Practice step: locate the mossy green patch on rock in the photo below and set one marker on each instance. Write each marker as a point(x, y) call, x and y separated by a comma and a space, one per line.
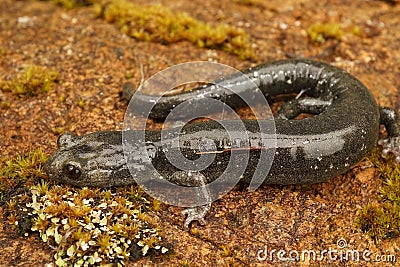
point(2, 52)
point(158, 23)
point(381, 219)
point(16, 176)
point(72, 3)
point(27, 169)
point(34, 80)
point(319, 32)
point(258, 3)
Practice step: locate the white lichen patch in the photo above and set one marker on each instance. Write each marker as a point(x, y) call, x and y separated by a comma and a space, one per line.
point(91, 228)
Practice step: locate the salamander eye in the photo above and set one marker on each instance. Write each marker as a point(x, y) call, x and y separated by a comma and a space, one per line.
point(72, 171)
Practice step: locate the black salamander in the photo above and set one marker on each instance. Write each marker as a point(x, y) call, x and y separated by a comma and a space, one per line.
point(343, 130)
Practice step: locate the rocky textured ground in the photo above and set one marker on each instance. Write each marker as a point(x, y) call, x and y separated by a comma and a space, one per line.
point(94, 59)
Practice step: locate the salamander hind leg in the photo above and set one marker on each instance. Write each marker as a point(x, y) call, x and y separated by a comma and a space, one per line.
point(295, 107)
point(391, 144)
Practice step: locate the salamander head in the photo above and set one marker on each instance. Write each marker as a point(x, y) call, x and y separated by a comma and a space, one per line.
point(90, 160)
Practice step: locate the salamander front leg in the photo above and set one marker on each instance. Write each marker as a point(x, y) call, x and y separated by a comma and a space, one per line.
point(194, 179)
point(195, 214)
point(391, 144)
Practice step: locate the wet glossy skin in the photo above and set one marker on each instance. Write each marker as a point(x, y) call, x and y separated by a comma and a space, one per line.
point(309, 150)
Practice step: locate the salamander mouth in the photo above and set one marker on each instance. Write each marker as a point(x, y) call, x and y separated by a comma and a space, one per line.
point(48, 169)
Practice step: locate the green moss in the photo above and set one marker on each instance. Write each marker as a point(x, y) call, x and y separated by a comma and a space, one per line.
point(319, 32)
point(225, 251)
point(34, 80)
point(72, 3)
point(62, 98)
point(59, 130)
point(5, 104)
point(381, 219)
point(2, 52)
point(26, 169)
point(158, 23)
point(81, 103)
point(128, 75)
point(15, 175)
point(356, 30)
point(249, 2)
